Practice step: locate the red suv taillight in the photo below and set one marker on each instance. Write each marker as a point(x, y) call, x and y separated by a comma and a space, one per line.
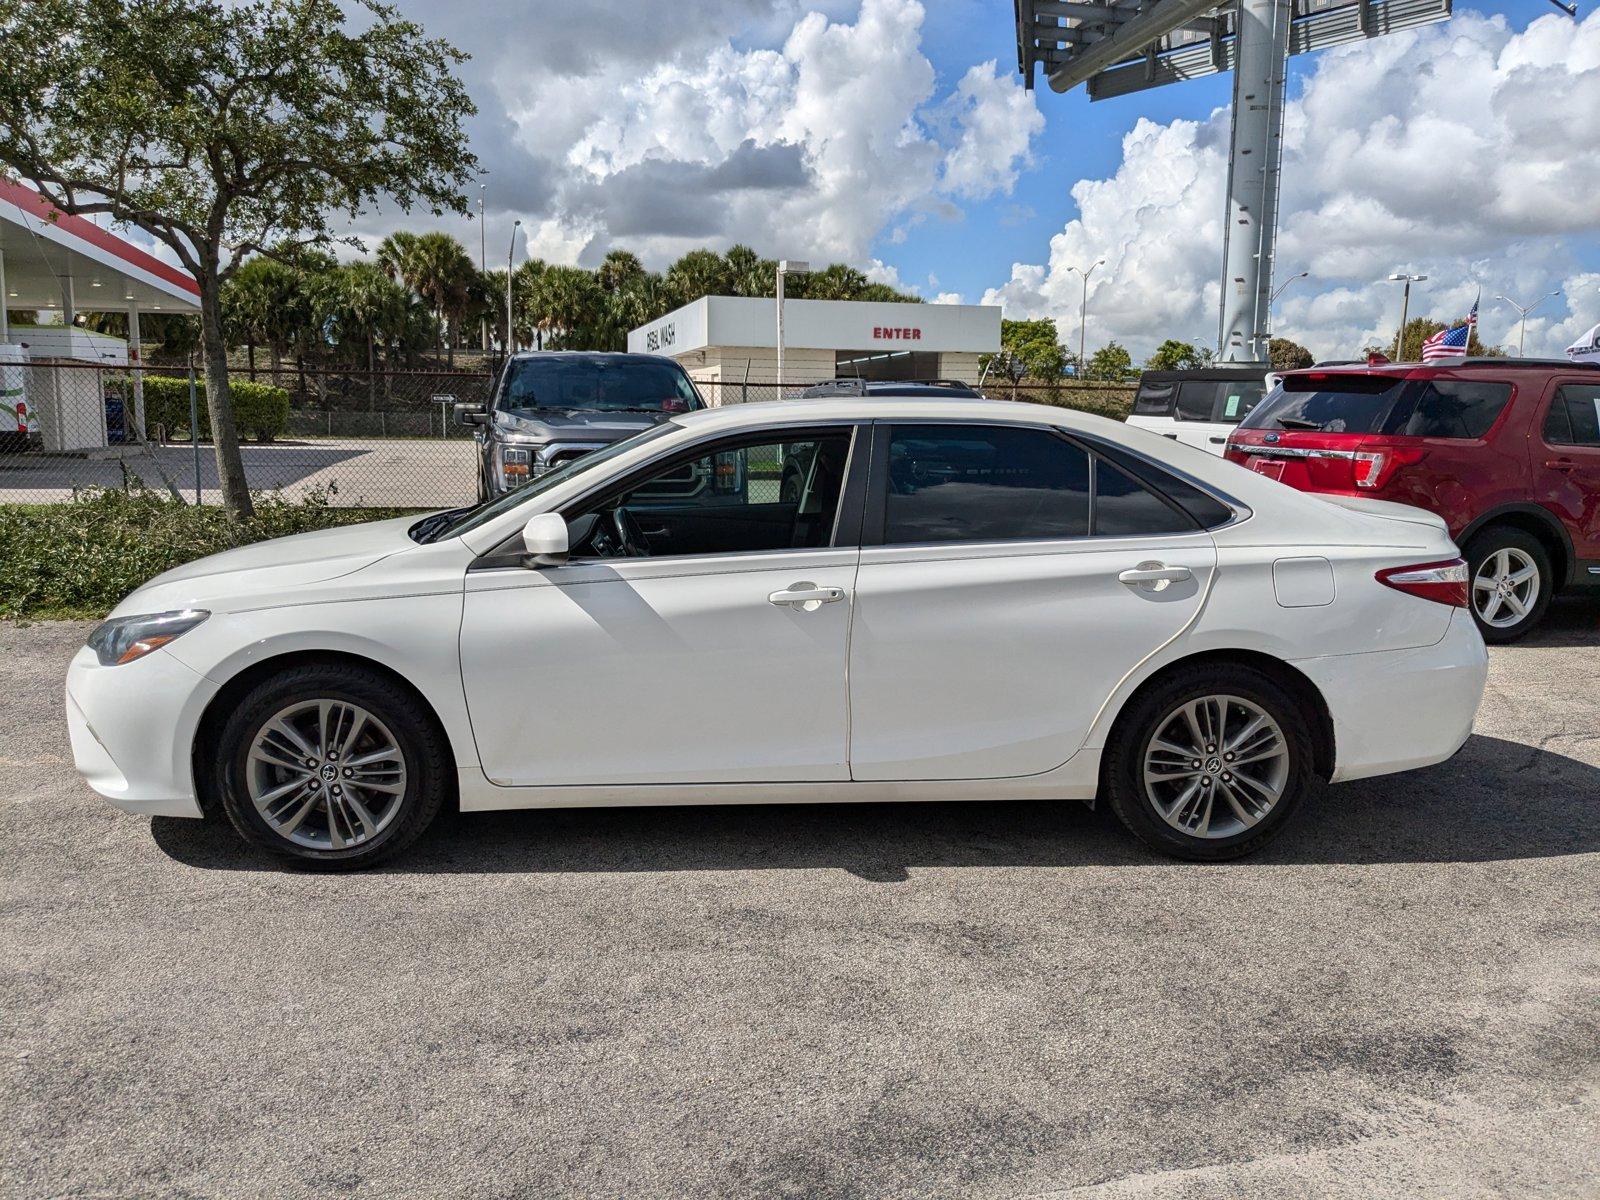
point(1373, 467)
point(1443, 582)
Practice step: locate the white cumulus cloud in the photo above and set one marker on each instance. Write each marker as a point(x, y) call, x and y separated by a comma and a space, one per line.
point(1463, 151)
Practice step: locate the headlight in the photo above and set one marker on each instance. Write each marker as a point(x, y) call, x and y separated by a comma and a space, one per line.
point(515, 465)
point(124, 639)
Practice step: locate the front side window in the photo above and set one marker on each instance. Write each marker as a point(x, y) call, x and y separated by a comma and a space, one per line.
point(1574, 417)
point(739, 498)
point(952, 483)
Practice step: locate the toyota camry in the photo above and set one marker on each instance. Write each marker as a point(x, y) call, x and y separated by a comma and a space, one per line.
point(820, 600)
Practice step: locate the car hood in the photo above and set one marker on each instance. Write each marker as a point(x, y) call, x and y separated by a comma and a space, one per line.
point(245, 577)
point(577, 425)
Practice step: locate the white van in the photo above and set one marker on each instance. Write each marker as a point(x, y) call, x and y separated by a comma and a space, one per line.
point(1199, 407)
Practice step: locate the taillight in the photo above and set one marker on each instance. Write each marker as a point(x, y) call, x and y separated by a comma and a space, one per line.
point(1373, 467)
point(1443, 582)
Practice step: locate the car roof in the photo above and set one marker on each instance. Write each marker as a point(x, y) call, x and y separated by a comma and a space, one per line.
point(932, 406)
point(1470, 366)
point(598, 355)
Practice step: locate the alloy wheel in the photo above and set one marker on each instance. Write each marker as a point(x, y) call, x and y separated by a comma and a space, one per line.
point(326, 774)
point(1216, 766)
point(1505, 588)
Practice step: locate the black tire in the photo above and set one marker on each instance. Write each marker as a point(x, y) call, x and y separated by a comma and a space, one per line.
point(789, 487)
point(1122, 775)
point(1485, 546)
point(425, 752)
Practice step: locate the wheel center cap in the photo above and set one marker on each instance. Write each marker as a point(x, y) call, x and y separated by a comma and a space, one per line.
point(329, 771)
point(1214, 765)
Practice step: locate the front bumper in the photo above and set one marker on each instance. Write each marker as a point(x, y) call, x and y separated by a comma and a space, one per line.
point(1398, 710)
point(132, 728)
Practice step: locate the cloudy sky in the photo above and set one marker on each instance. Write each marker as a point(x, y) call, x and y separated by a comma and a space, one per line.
point(897, 136)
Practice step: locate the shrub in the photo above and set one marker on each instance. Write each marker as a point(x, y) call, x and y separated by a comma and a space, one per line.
point(80, 558)
point(261, 410)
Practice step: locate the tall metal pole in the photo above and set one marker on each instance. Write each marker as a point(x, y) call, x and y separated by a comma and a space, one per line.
point(483, 263)
point(1522, 312)
point(1405, 309)
point(510, 338)
point(1261, 52)
point(788, 266)
point(1083, 309)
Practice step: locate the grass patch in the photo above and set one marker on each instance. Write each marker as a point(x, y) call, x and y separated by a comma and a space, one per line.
point(78, 559)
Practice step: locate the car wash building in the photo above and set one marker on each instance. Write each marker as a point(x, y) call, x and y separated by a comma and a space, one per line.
point(729, 344)
point(62, 387)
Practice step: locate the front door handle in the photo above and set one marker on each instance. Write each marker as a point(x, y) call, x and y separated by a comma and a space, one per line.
point(1559, 464)
point(806, 596)
point(1154, 576)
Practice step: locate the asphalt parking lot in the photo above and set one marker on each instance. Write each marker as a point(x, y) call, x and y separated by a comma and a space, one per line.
point(1400, 997)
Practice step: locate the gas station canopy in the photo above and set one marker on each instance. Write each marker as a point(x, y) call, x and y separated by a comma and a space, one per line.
point(50, 260)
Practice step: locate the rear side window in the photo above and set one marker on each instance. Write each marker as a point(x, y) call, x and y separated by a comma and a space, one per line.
point(1450, 408)
point(1574, 417)
point(1124, 507)
point(1197, 400)
point(1204, 510)
point(953, 483)
point(1437, 408)
point(1154, 400)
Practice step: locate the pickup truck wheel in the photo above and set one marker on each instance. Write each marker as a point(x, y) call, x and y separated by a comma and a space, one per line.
point(1511, 582)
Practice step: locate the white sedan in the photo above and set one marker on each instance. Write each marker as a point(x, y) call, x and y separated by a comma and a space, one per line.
point(793, 602)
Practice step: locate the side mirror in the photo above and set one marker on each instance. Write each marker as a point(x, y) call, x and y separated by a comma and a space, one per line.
point(544, 537)
point(468, 414)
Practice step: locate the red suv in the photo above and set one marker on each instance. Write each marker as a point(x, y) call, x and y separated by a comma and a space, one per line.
point(1506, 450)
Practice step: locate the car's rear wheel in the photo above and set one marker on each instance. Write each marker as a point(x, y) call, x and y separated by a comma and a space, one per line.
point(331, 765)
point(1210, 762)
point(1511, 582)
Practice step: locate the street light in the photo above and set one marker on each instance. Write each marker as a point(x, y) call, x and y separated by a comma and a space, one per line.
point(1405, 307)
point(789, 266)
point(1273, 299)
point(1083, 308)
point(510, 340)
point(483, 262)
point(1522, 327)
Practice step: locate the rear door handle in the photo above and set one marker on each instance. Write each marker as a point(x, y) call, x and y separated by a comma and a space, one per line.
point(1154, 576)
point(1559, 464)
point(806, 596)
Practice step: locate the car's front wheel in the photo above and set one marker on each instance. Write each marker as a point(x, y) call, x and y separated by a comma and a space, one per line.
point(330, 765)
point(1210, 762)
point(1511, 582)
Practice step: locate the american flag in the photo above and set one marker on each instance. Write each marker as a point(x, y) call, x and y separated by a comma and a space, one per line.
point(1451, 343)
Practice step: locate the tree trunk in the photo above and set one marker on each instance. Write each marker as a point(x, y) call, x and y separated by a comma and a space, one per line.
point(219, 401)
point(277, 364)
point(372, 374)
point(250, 356)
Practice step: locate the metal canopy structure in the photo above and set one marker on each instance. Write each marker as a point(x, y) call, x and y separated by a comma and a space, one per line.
point(1122, 46)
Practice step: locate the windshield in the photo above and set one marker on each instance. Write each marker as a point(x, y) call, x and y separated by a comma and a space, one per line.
point(595, 384)
point(449, 524)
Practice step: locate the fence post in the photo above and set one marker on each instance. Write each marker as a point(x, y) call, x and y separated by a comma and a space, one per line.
point(194, 434)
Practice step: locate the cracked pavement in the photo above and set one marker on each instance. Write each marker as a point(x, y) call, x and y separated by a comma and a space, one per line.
point(1400, 997)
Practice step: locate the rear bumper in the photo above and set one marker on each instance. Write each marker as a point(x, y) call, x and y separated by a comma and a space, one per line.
point(132, 728)
point(1398, 710)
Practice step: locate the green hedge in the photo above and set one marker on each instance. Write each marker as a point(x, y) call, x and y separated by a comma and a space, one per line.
point(78, 559)
point(261, 410)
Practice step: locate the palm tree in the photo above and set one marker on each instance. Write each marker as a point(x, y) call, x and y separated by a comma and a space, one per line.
point(364, 305)
point(699, 273)
point(268, 303)
point(752, 275)
point(619, 269)
point(568, 302)
point(442, 274)
point(834, 282)
point(525, 295)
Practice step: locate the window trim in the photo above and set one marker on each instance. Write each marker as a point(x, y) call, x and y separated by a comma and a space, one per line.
point(875, 516)
point(509, 552)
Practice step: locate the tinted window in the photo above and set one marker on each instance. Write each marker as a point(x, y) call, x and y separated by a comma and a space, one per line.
point(978, 484)
point(1206, 511)
point(1197, 400)
point(1124, 507)
point(583, 383)
point(1443, 408)
point(760, 495)
point(1154, 399)
point(1448, 408)
point(1239, 398)
point(1574, 416)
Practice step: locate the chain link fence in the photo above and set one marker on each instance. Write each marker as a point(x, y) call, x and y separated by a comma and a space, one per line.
point(379, 439)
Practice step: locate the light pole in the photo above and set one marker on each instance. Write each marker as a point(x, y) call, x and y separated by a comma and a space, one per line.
point(510, 338)
point(789, 266)
point(1405, 307)
point(1522, 327)
point(1083, 309)
point(483, 262)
